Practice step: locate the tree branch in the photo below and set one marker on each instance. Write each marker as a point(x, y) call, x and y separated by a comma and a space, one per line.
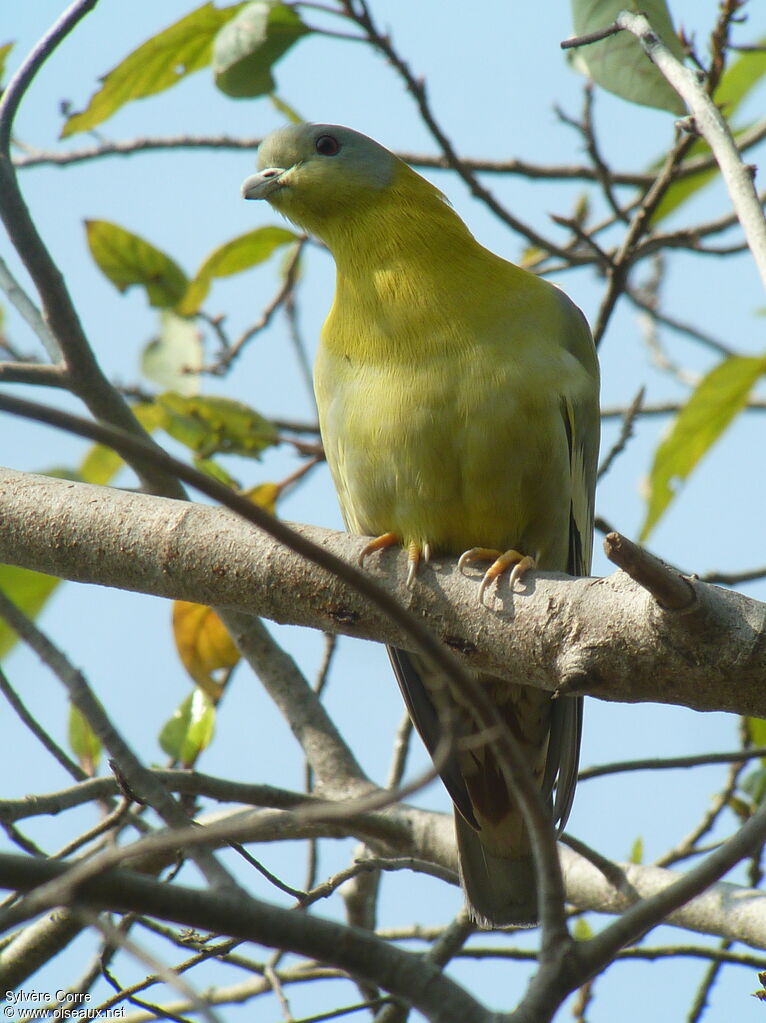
point(709, 122)
point(606, 637)
point(405, 974)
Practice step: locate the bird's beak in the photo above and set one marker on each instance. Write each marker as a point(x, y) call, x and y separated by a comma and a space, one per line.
point(263, 184)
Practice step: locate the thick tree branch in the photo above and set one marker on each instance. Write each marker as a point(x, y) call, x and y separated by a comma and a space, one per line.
point(606, 637)
point(484, 709)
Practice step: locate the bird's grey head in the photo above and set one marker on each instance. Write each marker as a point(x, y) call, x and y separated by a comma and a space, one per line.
point(304, 166)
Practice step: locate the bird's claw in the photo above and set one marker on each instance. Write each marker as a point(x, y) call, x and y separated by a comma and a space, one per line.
point(380, 543)
point(415, 553)
point(519, 564)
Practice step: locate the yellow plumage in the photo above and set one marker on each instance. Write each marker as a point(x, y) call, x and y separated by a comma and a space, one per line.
point(458, 403)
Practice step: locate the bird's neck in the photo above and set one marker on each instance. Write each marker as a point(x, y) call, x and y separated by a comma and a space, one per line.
point(405, 265)
point(412, 227)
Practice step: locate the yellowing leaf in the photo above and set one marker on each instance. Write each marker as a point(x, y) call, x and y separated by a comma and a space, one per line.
point(5, 49)
point(190, 730)
point(211, 425)
point(249, 45)
point(712, 406)
point(239, 254)
point(83, 741)
point(265, 495)
point(618, 63)
point(29, 591)
point(157, 64)
point(203, 644)
point(173, 359)
point(126, 259)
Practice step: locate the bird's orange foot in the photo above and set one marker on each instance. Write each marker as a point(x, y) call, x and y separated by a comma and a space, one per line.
point(519, 564)
point(380, 543)
point(415, 553)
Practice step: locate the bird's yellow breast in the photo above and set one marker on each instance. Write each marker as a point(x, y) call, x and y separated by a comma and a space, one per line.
point(446, 429)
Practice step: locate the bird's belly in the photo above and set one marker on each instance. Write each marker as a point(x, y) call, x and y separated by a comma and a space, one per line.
point(453, 460)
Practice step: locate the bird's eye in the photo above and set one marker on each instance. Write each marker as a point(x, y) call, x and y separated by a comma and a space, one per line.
point(327, 145)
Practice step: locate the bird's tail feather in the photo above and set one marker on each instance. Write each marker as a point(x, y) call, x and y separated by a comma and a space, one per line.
point(499, 890)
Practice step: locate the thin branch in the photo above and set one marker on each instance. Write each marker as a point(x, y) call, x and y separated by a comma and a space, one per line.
point(38, 731)
point(34, 157)
point(671, 763)
point(626, 432)
point(34, 373)
point(401, 750)
point(116, 937)
point(28, 311)
point(669, 408)
point(20, 82)
point(326, 751)
point(404, 974)
point(647, 302)
point(359, 12)
point(689, 846)
point(231, 353)
point(617, 276)
point(84, 699)
point(711, 124)
point(649, 912)
point(116, 817)
point(700, 1002)
point(86, 377)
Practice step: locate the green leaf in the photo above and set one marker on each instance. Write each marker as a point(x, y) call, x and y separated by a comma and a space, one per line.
point(231, 258)
point(619, 64)
point(637, 851)
point(190, 730)
point(756, 729)
point(126, 259)
point(582, 930)
point(173, 359)
point(157, 64)
point(712, 406)
point(754, 785)
point(741, 76)
point(286, 110)
point(5, 49)
point(29, 591)
point(249, 45)
point(216, 425)
point(83, 741)
point(215, 471)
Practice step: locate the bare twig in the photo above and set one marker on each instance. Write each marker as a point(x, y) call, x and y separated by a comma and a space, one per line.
point(626, 432)
point(671, 591)
point(38, 731)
